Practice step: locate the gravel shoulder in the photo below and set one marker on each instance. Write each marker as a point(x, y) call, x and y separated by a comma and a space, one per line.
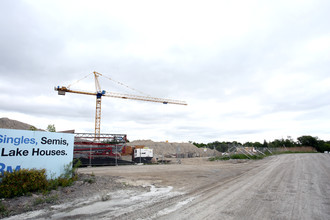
point(292, 186)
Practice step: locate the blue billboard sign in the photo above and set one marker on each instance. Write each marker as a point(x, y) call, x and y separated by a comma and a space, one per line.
point(22, 149)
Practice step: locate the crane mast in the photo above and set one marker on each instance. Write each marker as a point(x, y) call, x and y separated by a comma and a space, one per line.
point(98, 105)
point(99, 93)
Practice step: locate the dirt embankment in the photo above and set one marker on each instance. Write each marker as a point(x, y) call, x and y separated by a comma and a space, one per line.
point(13, 124)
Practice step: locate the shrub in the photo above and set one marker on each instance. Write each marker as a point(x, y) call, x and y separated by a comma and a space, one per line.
point(239, 156)
point(21, 182)
point(25, 181)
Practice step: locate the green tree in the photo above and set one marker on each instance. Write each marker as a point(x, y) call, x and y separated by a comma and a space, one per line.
point(289, 143)
point(32, 128)
point(308, 140)
point(199, 145)
point(276, 143)
point(219, 146)
point(51, 128)
point(265, 144)
point(257, 144)
point(253, 144)
point(323, 146)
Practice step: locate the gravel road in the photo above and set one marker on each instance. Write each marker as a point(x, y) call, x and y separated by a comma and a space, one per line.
point(291, 186)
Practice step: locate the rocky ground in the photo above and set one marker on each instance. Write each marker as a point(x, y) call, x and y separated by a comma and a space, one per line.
point(86, 187)
point(288, 186)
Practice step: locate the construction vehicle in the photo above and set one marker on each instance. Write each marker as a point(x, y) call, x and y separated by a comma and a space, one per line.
point(99, 93)
point(142, 155)
point(139, 153)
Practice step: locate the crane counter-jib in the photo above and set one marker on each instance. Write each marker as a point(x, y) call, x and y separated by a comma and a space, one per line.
point(62, 90)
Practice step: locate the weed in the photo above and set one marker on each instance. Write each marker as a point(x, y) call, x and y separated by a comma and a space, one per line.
point(89, 180)
point(125, 184)
point(38, 201)
point(292, 152)
point(237, 157)
point(251, 157)
point(3, 210)
point(105, 197)
point(28, 208)
point(47, 199)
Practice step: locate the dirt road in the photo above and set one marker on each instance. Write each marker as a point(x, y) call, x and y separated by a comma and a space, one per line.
point(292, 186)
point(285, 187)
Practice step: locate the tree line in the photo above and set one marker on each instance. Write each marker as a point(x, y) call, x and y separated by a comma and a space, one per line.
point(306, 140)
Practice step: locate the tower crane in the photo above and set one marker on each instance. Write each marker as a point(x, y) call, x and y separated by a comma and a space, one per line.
point(99, 93)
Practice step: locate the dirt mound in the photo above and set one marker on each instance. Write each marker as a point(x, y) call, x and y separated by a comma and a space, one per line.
point(168, 149)
point(13, 124)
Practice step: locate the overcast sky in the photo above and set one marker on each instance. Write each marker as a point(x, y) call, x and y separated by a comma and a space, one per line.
point(249, 70)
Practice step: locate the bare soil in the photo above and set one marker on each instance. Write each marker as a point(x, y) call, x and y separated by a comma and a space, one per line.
point(292, 186)
point(86, 187)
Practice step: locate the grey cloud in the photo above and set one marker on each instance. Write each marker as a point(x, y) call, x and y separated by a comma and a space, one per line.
point(41, 50)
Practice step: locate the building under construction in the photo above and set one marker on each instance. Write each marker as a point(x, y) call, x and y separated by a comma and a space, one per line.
point(108, 149)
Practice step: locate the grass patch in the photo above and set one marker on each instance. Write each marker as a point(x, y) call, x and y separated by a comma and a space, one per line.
point(46, 199)
point(237, 157)
point(253, 157)
point(90, 180)
point(294, 152)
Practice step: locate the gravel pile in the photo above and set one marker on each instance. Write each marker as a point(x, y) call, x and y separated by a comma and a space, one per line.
point(167, 149)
